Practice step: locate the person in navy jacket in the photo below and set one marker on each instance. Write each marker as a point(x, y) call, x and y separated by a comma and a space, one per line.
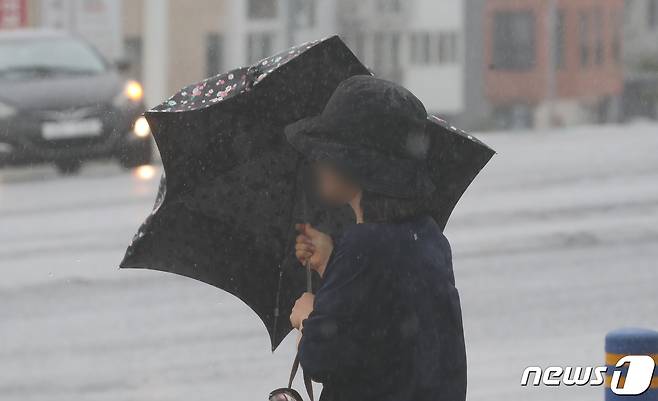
point(386, 322)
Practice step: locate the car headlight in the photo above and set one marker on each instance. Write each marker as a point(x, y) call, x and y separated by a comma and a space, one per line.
point(132, 93)
point(6, 111)
point(141, 128)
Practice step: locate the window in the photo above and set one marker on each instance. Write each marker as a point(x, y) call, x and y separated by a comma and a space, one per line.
point(259, 46)
point(454, 48)
point(132, 47)
point(356, 42)
point(413, 47)
point(214, 54)
point(386, 53)
point(390, 6)
point(305, 13)
point(652, 13)
point(599, 54)
point(394, 58)
point(435, 48)
point(514, 44)
point(447, 47)
point(584, 34)
point(378, 50)
point(425, 47)
point(616, 23)
point(444, 48)
point(420, 48)
point(559, 39)
point(261, 9)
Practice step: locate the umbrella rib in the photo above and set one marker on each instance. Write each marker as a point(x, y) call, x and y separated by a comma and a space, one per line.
point(288, 246)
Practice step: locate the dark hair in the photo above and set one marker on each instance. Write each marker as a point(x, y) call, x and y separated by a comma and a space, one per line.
point(380, 208)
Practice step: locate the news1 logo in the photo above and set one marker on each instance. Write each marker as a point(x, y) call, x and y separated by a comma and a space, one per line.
point(639, 374)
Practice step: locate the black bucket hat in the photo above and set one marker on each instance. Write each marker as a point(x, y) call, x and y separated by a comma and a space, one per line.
point(374, 131)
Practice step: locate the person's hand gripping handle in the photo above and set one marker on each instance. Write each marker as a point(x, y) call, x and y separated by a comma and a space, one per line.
point(313, 249)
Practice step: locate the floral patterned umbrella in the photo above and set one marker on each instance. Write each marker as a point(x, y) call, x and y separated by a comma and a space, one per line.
point(233, 189)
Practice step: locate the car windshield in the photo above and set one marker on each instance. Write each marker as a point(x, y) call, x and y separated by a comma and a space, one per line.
point(27, 58)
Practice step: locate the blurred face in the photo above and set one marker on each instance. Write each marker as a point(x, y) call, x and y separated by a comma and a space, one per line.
point(333, 187)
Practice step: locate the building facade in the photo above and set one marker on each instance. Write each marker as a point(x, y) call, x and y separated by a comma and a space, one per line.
point(13, 14)
point(640, 35)
point(640, 55)
point(255, 29)
point(172, 43)
point(204, 37)
point(479, 63)
point(421, 44)
point(553, 62)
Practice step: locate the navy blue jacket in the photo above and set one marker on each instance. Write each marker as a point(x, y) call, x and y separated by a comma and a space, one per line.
point(387, 322)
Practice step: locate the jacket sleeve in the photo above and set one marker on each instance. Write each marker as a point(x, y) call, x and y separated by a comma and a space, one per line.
point(332, 336)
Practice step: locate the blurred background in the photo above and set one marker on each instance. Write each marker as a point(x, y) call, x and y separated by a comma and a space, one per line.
point(554, 245)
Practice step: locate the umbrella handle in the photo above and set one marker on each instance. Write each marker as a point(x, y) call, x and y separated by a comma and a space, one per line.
point(295, 365)
point(309, 277)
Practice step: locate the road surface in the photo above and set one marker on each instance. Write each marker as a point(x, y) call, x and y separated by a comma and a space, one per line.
point(554, 245)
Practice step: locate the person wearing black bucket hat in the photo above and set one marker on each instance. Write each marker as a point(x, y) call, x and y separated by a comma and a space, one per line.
point(374, 131)
point(386, 322)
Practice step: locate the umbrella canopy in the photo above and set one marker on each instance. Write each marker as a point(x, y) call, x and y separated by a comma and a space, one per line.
point(225, 214)
point(234, 187)
point(453, 160)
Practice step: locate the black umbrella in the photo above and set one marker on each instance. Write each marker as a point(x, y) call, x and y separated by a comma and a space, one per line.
point(454, 159)
point(233, 187)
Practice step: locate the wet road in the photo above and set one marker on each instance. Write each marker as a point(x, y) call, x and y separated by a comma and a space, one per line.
point(554, 245)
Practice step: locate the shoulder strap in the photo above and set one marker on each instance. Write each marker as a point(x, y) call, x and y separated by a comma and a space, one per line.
point(293, 371)
point(309, 386)
point(307, 380)
point(295, 364)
